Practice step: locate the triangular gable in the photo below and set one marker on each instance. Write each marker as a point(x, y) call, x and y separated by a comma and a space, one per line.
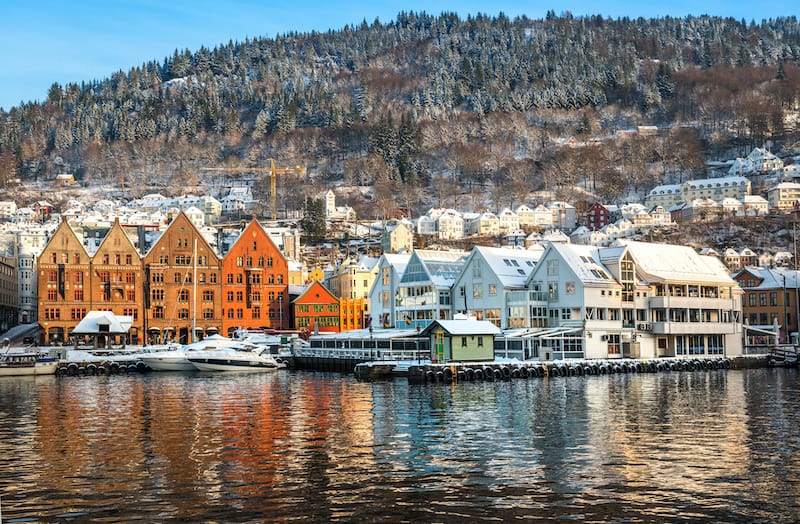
point(244, 237)
point(65, 238)
point(182, 220)
point(116, 230)
point(309, 296)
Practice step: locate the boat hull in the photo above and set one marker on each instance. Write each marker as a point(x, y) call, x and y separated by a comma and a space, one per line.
point(239, 366)
point(168, 363)
point(46, 367)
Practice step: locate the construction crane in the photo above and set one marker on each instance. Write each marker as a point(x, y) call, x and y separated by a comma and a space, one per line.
point(273, 176)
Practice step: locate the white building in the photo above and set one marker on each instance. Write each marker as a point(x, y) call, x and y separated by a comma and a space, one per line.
point(635, 300)
point(711, 188)
point(390, 269)
point(487, 282)
point(782, 197)
point(758, 161)
point(423, 294)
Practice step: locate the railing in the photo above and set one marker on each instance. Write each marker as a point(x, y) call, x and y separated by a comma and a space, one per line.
point(363, 353)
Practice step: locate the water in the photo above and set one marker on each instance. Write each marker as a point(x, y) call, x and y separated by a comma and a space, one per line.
point(717, 446)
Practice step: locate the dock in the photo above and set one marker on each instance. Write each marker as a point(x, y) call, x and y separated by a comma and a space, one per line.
point(453, 372)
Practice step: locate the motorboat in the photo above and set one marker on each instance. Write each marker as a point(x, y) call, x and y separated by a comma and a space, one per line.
point(27, 363)
point(176, 358)
point(242, 359)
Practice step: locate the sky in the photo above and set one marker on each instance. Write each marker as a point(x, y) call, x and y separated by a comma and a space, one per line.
point(63, 41)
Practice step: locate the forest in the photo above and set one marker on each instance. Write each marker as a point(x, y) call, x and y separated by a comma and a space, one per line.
point(429, 110)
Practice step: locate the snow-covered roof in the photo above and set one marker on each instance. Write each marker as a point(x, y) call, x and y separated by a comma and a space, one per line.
point(512, 266)
point(468, 326)
point(585, 262)
point(668, 262)
point(96, 322)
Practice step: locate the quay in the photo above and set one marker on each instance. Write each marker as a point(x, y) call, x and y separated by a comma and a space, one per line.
point(453, 372)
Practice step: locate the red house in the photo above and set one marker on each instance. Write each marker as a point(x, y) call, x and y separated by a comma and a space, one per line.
point(317, 310)
point(597, 217)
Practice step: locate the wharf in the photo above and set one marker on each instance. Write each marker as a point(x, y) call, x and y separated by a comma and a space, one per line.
point(451, 372)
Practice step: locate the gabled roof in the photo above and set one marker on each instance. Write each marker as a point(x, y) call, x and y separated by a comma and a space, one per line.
point(511, 266)
point(668, 262)
point(585, 262)
point(773, 278)
point(468, 326)
point(316, 285)
point(397, 261)
point(94, 320)
point(439, 267)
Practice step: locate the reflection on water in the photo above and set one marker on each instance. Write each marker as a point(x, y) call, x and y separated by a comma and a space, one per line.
point(718, 445)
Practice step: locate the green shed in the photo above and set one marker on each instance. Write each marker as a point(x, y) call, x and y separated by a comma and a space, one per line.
point(461, 340)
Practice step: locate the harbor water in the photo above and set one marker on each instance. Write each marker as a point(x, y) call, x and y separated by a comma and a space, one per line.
point(712, 446)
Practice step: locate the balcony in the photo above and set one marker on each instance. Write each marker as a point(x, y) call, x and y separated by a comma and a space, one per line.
point(689, 302)
point(694, 328)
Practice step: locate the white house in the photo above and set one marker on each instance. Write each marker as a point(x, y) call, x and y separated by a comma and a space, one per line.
point(450, 225)
point(509, 221)
point(390, 269)
point(758, 161)
point(633, 299)
point(489, 277)
point(783, 196)
point(423, 293)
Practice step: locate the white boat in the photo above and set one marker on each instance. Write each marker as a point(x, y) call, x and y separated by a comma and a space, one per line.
point(175, 359)
point(244, 360)
point(22, 364)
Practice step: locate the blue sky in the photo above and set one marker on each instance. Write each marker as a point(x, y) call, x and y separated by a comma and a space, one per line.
point(46, 41)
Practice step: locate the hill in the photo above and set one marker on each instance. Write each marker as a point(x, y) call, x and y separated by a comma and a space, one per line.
point(429, 110)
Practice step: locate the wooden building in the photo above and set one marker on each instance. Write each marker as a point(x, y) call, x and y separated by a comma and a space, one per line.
point(317, 310)
point(115, 282)
point(255, 277)
point(64, 280)
point(182, 291)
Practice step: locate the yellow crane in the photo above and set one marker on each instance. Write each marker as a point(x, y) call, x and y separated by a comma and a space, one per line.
point(273, 176)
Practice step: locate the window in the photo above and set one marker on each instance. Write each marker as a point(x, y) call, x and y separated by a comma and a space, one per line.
point(463, 342)
point(183, 295)
point(157, 294)
point(158, 312)
point(480, 342)
point(208, 295)
point(477, 290)
point(492, 290)
point(552, 268)
point(78, 295)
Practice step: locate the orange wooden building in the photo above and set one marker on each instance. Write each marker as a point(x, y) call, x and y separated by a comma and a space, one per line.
point(115, 282)
point(255, 278)
point(317, 310)
point(64, 280)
